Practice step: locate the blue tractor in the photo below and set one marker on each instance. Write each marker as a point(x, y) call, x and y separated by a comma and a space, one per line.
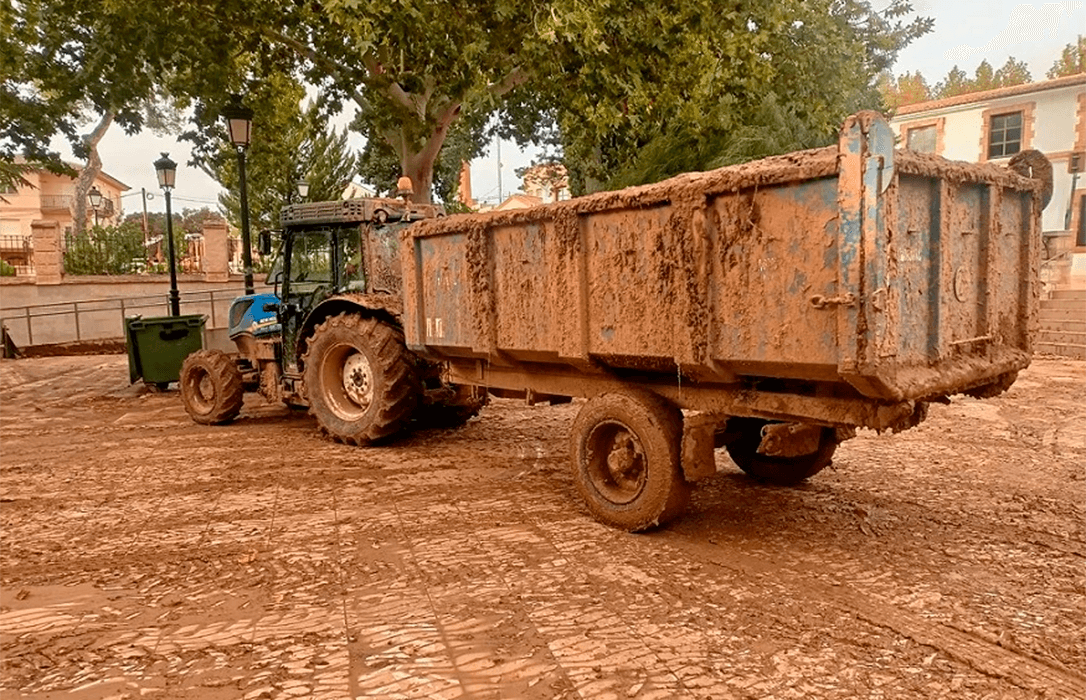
point(330, 338)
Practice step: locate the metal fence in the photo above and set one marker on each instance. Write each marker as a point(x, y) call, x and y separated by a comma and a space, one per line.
point(100, 319)
point(18, 251)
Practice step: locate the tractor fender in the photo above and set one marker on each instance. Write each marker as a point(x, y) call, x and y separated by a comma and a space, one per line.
point(387, 307)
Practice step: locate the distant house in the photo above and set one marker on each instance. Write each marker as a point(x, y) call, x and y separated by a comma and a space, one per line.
point(354, 190)
point(50, 197)
point(547, 181)
point(992, 126)
point(518, 201)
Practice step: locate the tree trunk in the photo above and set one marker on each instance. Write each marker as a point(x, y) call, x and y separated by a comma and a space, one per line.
point(416, 162)
point(421, 173)
point(89, 173)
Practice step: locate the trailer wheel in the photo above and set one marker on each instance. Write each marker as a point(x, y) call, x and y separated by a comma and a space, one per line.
point(211, 387)
point(626, 460)
point(360, 379)
point(782, 471)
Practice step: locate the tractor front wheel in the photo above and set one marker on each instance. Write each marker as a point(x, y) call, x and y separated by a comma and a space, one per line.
point(211, 387)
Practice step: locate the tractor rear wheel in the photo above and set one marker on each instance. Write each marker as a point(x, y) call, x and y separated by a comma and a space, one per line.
point(211, 387)
point(360, 379)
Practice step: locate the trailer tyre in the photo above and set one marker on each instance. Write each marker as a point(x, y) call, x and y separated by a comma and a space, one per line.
point(626, 460)
point(360, 379)
point(782, 471)
point(211, 387)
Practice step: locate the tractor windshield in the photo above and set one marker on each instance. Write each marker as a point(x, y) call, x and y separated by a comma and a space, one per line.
point(310, 260)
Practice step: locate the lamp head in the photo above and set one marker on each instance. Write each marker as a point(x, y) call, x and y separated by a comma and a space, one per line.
point(239, 122)
point(167, 172)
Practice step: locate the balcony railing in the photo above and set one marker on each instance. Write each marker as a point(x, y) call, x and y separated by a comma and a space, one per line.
point(56, 202)
point(65, 203)
point(16, 244)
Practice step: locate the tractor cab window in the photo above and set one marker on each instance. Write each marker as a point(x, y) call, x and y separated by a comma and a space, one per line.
point(350, 252)
point(310, 261)
point(384, 258)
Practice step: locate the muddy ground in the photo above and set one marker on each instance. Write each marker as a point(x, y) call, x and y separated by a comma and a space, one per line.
point(146, 556)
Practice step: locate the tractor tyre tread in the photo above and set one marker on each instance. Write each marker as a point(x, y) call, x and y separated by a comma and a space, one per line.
point(396, 386)
point(227, 395)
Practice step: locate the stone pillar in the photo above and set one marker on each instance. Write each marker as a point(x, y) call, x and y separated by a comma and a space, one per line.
point(216, 251)
point(48, 252)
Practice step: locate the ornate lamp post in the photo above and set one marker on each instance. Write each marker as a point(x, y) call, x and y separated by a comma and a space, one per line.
point(303, 189)
point(167, 172)
point(239, 121)
point(95, 198)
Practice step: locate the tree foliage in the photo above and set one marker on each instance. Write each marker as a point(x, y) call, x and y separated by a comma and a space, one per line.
point(912, 88)
point(288, 144)
point(1072, 60)
point(430, 81)
point(65, 63)
point(649, 90)
point(906, 89)
point(105, 250)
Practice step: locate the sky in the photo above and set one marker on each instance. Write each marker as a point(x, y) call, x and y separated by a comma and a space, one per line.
point(966, 32)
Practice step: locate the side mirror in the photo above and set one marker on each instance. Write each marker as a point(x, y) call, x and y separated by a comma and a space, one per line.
point(264, 242)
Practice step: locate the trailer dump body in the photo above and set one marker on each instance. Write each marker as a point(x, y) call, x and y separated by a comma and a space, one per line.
point(839, 286)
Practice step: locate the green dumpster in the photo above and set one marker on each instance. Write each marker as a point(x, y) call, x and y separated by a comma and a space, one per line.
point(157, 346)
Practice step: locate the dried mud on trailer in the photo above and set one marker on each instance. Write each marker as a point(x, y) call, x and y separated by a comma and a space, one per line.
point(769, 308)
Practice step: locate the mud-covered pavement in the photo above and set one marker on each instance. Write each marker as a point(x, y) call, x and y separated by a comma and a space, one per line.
point(146, 556)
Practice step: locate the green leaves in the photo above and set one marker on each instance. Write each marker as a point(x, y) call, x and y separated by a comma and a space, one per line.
point(615, 79)
point(1072, 60)
point(912, 88)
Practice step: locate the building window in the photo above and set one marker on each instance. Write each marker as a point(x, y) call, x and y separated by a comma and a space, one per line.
point(921, 139)
point(1004, 135)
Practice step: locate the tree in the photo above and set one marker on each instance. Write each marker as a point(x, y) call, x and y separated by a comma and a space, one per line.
point(1071, 61)
point(652, 89)
point(909, 88)
point(956, 82)
point(1013, 72)
point(984, 78)
point(65, 63)
point(288, 144)
point(611, 74)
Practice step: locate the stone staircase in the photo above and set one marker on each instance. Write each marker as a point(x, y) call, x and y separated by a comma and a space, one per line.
point(1063, 324)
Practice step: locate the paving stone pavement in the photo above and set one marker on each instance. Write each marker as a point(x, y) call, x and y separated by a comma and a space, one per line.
point(144, 556)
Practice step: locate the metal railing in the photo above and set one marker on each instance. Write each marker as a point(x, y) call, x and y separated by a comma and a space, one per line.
point(11, 243)
point(18, 251)
point(99, 319)
point(52, 202)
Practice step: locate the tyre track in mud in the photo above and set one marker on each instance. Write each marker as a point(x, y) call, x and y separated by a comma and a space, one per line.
point(983, 655)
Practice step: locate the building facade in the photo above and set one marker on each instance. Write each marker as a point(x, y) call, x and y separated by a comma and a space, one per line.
point(49, 197)
point(52, 197)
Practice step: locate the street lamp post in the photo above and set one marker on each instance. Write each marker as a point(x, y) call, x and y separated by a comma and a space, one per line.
point(239, 121)
point(303, 189)
point(95, 198)
point(167, 172)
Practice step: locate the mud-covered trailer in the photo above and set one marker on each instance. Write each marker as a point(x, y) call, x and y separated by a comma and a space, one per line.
point(780, 304)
